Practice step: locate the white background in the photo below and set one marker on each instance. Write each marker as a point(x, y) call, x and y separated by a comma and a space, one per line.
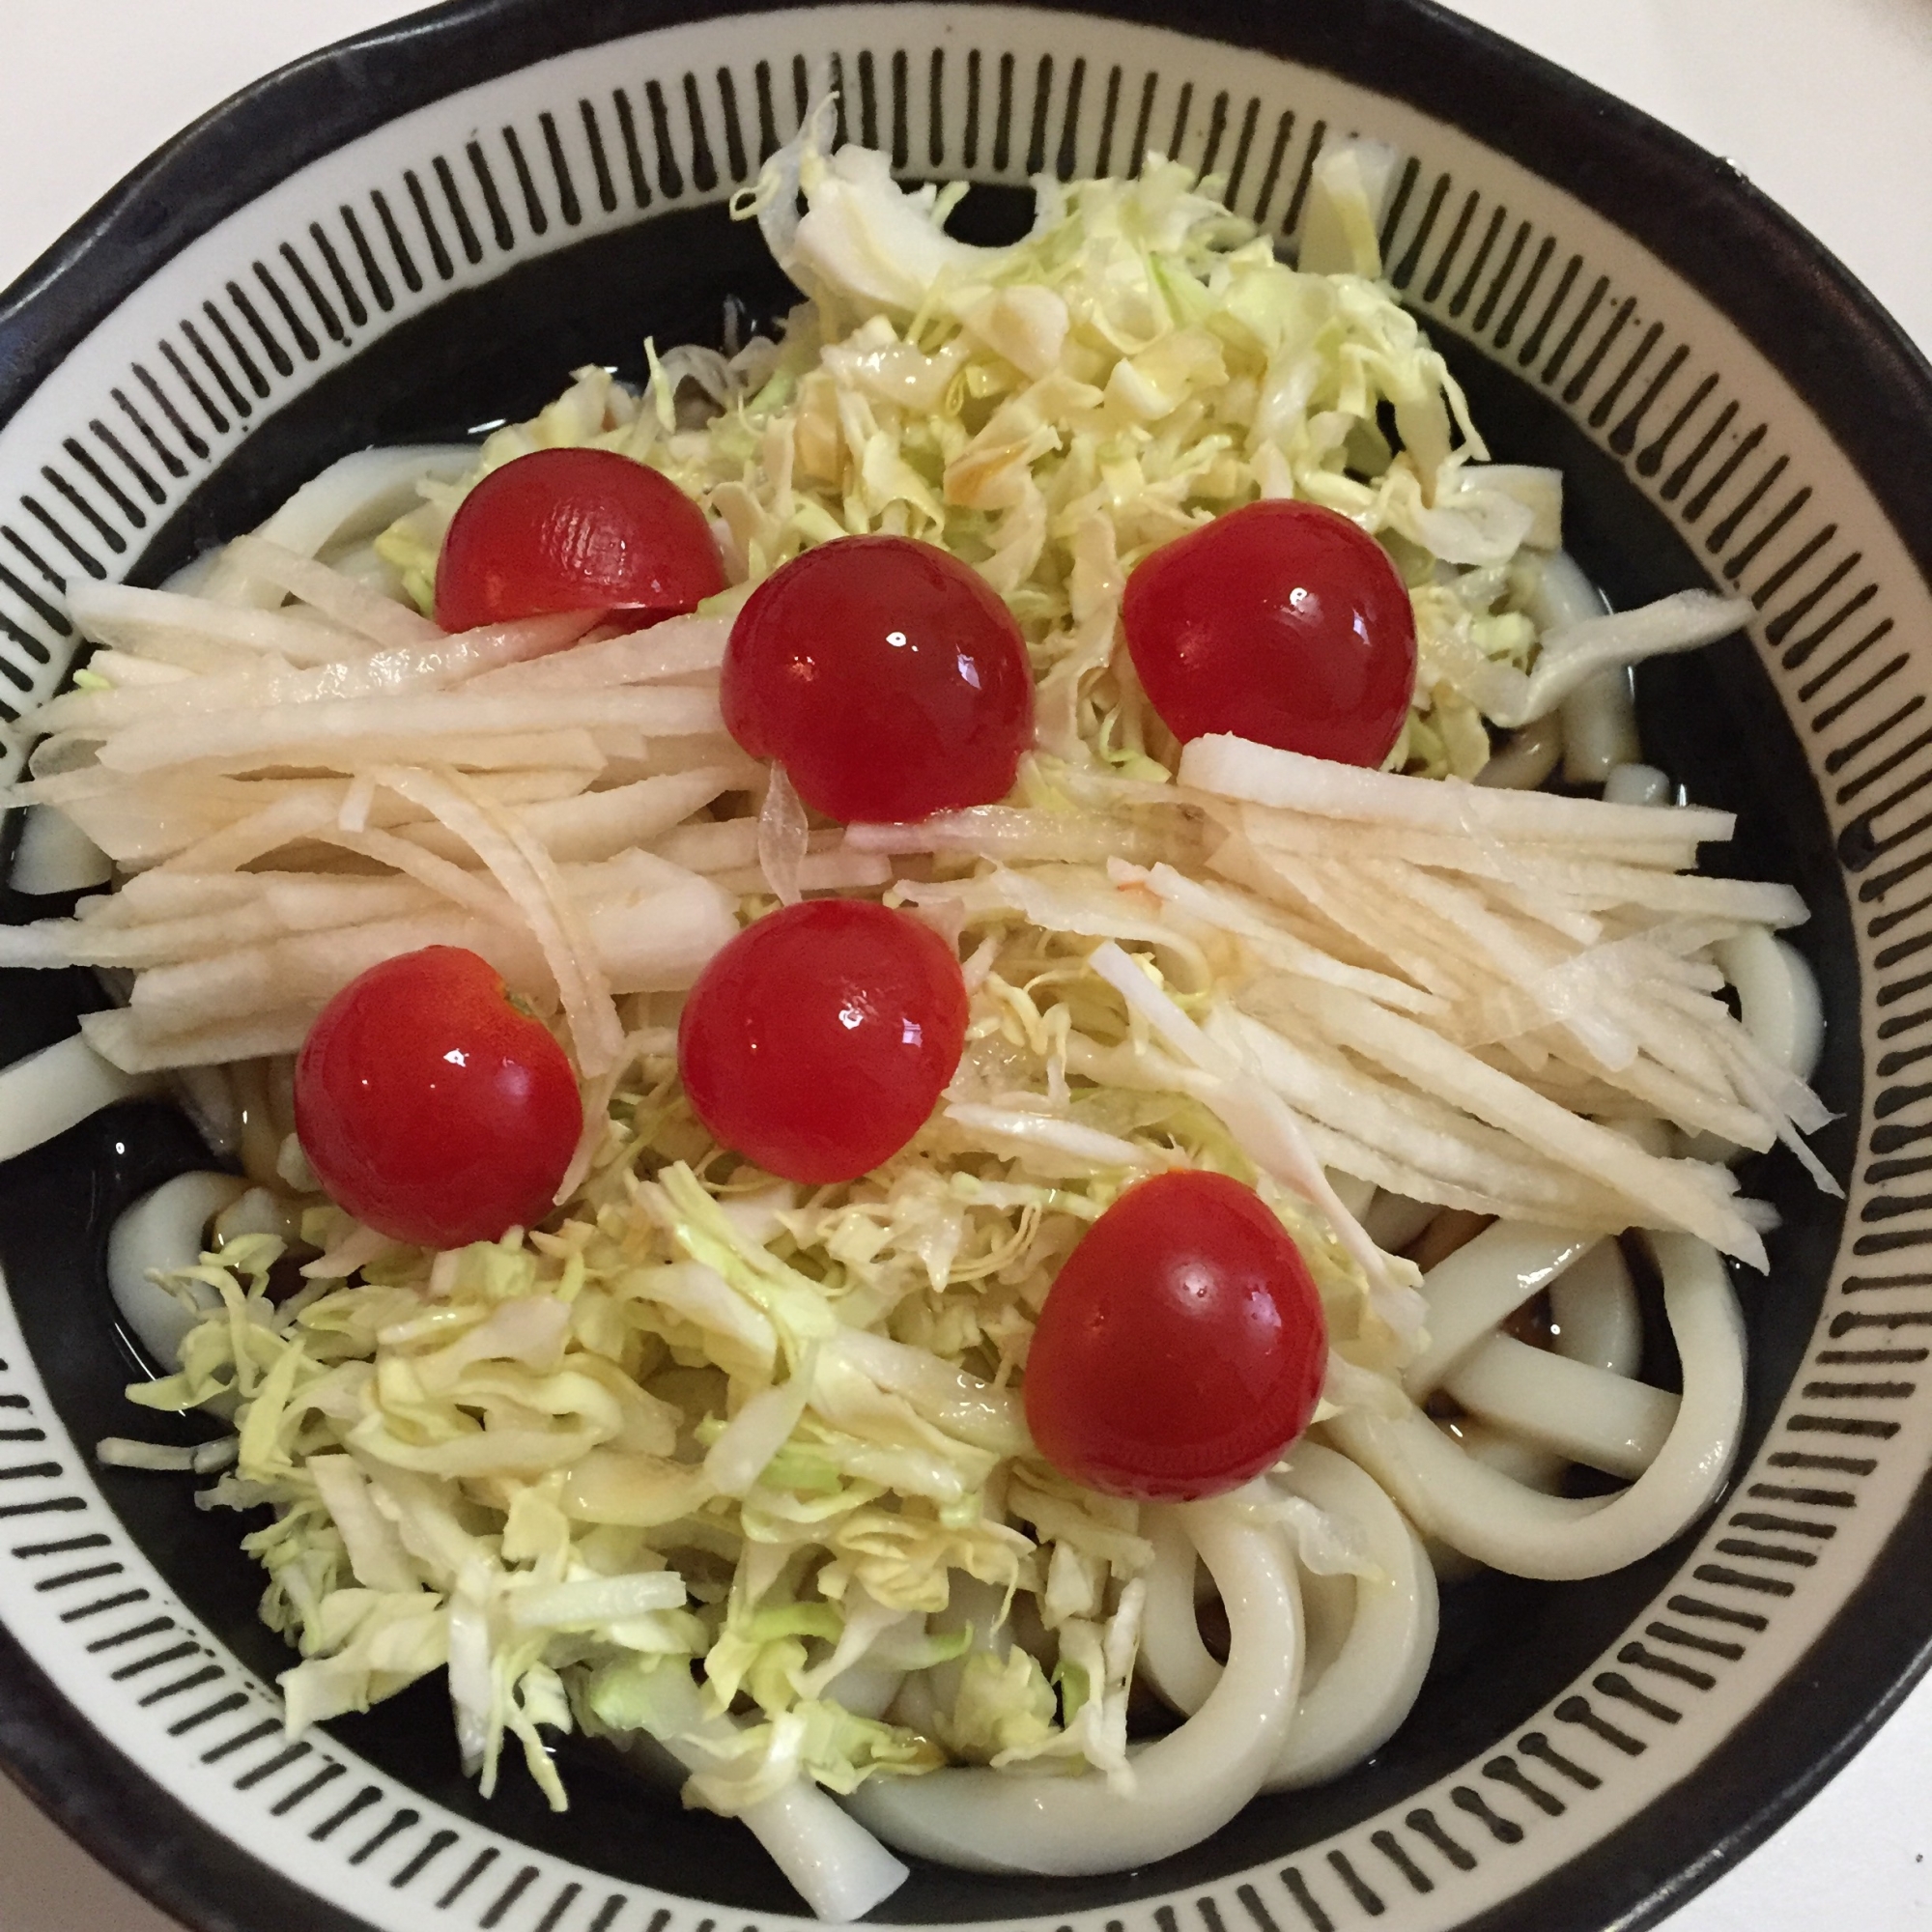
point(1827, 104)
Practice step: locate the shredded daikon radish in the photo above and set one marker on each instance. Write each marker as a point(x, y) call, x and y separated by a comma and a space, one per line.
point(347, 603)
point(1231, 768)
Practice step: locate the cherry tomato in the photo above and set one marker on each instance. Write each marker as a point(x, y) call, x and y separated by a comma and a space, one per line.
point(431, 1107)
point(820, 1040)
point(1281, 622)
point(574, 530)
point(889, 679)
point(1181, 1347)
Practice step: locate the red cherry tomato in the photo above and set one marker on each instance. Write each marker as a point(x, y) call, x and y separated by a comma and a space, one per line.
point(1181, 1347)
point(431, 1107)
point(1281, 622)
point(888, 678)
point(817, 1042)
point(574, 530)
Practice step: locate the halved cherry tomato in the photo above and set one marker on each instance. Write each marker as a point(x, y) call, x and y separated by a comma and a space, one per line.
point(820, 1040)
point(431, 1106)
point(1281, 622)
point(1181, 1347)
point(574, 530)
point(887, 677)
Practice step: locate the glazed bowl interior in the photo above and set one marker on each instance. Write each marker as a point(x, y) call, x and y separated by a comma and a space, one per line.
point(444, 264)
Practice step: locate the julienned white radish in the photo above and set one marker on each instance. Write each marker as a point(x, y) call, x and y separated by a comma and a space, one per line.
point(354, 606)
point(166, 628)
point(662, 711)
point(416, 670)
point(1595, 883)
point(830, 871)
point(118, 1037)
point(1650, 1187)
point(530, 879)
point(1232, 768)
point(648, 943)
point(591, 825)
point(1423, 1136)
point(174, 942)
point(1019, 835)
point(1048, 1145)
point(679, 648)
point(1287, 951)
point(143, 823)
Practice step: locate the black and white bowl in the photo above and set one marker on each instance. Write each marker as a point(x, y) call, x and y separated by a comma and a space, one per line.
point(427, 229)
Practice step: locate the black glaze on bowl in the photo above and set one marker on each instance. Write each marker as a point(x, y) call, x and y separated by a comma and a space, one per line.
point(494, 352)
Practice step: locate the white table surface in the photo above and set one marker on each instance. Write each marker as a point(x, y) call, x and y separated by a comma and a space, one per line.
point(1827, 104)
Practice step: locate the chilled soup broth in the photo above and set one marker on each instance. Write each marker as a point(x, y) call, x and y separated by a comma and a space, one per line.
point(514, 1796)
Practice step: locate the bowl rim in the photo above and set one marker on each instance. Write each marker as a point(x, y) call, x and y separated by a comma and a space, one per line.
point(1868, 383)
point(1812, 319)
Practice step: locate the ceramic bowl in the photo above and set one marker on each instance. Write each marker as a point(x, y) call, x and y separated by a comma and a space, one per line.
point(422, 232)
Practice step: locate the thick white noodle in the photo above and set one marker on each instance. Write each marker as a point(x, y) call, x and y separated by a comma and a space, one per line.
point(55, 855)
point(1173, 1659)
point(1186, 1785)
point(1354, 1706)
point(1528, 757)
point(1600, 717)
point(1582, 1414)
point(838, 1867)
point(1564, 595)
point(355, 496)
point(1778, 997)
point(1593, 1312)
point(1448, 1494)
point(1599, 727)
point(1522, 1462)
point(1394, 1220)
point(1484, 1282)
point(55, 1089)
point(1357, 1196)
point(1353, 1702)
point(1636, 784)
point(164, 1231)
point(865, 1690)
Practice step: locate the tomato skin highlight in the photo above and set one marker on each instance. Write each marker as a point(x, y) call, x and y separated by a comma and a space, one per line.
point(574, 530)
point(870, 728)
point(817, 1042)
point(1182, 1345)
point(431, 1107)
point(1281, 622)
